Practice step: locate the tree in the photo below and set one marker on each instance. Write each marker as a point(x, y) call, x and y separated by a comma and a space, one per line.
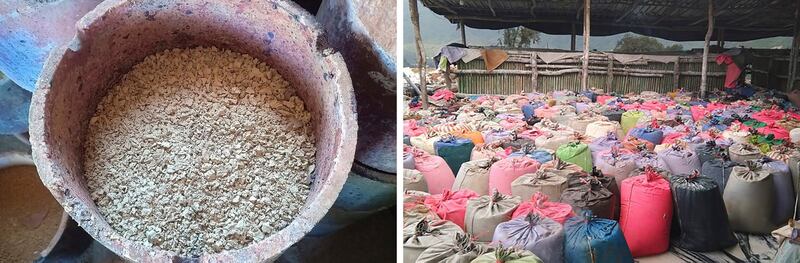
point(638, 44)
point(518, 37)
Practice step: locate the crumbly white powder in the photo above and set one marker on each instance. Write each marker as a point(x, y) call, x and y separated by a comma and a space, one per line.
point(198, 151)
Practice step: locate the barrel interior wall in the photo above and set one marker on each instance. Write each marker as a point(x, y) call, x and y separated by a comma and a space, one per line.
point(119, 34)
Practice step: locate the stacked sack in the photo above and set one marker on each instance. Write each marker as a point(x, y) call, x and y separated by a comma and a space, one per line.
point(673, 170)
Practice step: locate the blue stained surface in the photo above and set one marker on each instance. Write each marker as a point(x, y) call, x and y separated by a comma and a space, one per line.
point(14, 104)
point(22, 57)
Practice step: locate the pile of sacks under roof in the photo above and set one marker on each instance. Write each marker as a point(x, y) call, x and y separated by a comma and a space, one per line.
point(560, 177)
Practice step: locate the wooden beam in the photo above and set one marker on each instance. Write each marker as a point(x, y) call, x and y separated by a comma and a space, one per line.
point(423, 86)
point(587, 15)
point(535, 72)
point(704, 76)
point(793, 56)
point(463, 32)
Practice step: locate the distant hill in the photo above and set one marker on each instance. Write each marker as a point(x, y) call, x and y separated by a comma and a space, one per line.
point(437, 31)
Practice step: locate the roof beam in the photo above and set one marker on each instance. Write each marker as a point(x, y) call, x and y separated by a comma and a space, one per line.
point(528, 20)
point(723, 8)
point(630, 10)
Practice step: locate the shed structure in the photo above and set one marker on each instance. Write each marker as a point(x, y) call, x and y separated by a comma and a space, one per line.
point(677, 20)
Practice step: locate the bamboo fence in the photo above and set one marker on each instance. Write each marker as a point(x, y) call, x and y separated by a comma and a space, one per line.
point(522, 73)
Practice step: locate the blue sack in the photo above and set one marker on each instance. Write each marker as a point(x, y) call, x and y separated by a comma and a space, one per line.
point(594, 240)
point(648, 134)
point(590, 94)
point(527, 110)
point(540, 156)
point(454, 151)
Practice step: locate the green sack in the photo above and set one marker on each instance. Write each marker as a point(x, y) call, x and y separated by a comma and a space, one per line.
point(508, 256)
point(576, 153)
point(629, 120)
point(754, 124)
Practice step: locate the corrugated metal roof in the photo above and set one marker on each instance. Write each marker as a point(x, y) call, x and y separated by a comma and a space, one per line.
point(675, 20)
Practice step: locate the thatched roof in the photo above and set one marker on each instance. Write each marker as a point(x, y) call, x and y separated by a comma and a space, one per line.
point(677, 20)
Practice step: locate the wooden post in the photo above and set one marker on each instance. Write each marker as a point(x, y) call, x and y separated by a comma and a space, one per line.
point(585, 71)
point(447, 81)
point(610, 73)
point(572, 40)
point(535, 74)
point(793, 55)
point(704, 72)
point(423, 86)
point(769, 74)
point(463, 32)
point(676, 77)
point(721, 37)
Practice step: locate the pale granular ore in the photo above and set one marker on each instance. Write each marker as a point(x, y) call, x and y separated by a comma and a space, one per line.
point(29, 215)
point(199, 151)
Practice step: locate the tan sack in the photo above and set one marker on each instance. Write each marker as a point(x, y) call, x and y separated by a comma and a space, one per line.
point(486, 212)
point(425, 234)
point(749, 199)
point(544, 181)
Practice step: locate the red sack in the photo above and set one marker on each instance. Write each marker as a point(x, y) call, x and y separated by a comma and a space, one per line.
point(438, 176)
point(672, 137)
point(451, 206)
point(715, 106)
point(653, 105)
point(505, 171)
point(779, 132)
point(410, 128)
point(539, 204)
point(603, 98)
point(646, 202)
point(768, 116)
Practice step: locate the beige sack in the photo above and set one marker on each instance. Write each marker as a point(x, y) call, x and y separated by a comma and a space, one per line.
point(413, 180)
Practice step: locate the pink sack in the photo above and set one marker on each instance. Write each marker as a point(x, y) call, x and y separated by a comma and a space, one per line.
point(512, 124)
point(779, 132)
point(646, 202)
point(443, 94)
point(545, 112)
point(505, 171)
point(438, 176)
point(410, 128)
point(539, 204)
point(697, 112)
point(451, 206)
